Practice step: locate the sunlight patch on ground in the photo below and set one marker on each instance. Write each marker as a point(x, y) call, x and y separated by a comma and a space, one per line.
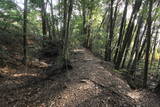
point(6, 70)
point(25, 74)
point(78, 50)
point(135, 95)
point(100, 67)
point(88, 59)
point(40, 64)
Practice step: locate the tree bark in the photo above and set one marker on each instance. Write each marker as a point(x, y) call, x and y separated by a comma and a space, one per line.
point(108, 51)
point(44, 21)
point(67, 28)
point(25, 32)
point(121, 31)
point(128, 34)
point(136, 43)
point(154, 46)
point(88, 42)
point(149, 22)
point(53, 21)
point(84, 31)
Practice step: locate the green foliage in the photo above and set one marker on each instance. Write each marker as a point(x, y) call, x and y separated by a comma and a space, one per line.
point(99, 43)
point(36, 3)
point(34, 22)
point(10, 16)
point(157, 13)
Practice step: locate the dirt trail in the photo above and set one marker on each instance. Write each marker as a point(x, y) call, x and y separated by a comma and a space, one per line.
point(89, 84)
point(94, 86)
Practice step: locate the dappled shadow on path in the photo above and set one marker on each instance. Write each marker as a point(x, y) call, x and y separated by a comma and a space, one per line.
point(88, 84)
point(91, 84)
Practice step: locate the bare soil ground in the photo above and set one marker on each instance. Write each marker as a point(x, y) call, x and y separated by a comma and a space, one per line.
point(89, 84)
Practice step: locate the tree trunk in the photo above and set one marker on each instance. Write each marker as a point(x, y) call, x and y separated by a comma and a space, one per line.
point(84, 31)
point(67, 22)
point(154, 46)
point(142, 49)
point(65, 19)
point(149, 22)
point(128, 35)
point(121, 31)
point(88, 39)
point(25, 32)
point(108, 51)
point(44, 21)
point(88, 42)
point(53, 21)
point(124, 45)
point(49, 27)
point(137, 45)
point(129, 43)
point(136, 42)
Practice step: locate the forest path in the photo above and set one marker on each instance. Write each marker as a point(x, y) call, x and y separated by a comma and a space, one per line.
point(90, 83)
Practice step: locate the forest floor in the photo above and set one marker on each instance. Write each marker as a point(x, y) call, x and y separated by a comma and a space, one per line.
point(90, 83)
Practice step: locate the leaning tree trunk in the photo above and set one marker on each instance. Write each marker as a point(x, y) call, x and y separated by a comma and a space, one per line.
point(128, 33)
point(121, 31)
point(136, 42)
point(108, 51)
point(129, 43)
point(154, 47)
point(149, 21)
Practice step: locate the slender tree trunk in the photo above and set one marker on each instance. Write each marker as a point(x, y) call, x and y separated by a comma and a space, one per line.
point(129, 43)
point(25, 32)
point(68, 18)
point(128, 35)
point(142, 49)
point(125, 44)
point(65, 18)
point(149, 21)
point(59, 22)
point(88, 39)
point(88, 42)
point(136, 41)
point(154, 46)
point(137, 45)
point(84, 31)
point(121, 31)
point(108, 51)
point(53, 20)
point(115, 14)
point(44, 16)
point(49, 27)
